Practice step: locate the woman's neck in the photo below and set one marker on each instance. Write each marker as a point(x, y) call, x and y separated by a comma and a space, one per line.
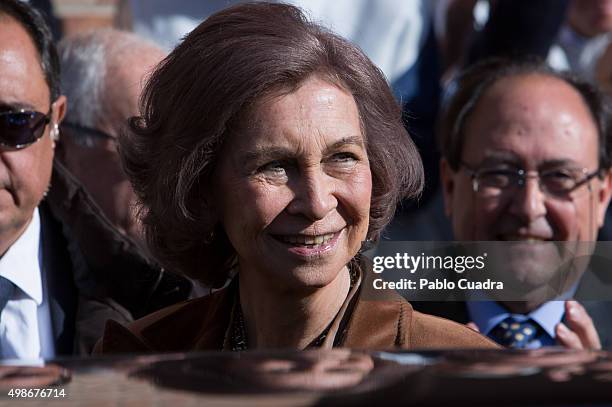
point(281, 318)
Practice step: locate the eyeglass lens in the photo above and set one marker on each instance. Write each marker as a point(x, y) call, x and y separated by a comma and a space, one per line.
point(19, 129)
point(555, 183)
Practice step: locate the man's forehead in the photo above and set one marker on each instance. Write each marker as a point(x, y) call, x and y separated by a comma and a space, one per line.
point(22, 80)
point(15, 33)
point(493, 156)
point(523, 86)
point(533, 116)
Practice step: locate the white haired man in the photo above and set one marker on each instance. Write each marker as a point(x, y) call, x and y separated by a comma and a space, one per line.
point(103, 73)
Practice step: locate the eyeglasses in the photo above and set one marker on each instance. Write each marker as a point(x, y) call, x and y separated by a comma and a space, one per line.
point(19, 129)
point(557, 183)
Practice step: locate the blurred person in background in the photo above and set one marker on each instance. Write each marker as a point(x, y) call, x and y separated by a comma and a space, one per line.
point(269, 149)
point(472, 30)
point(64, 270)
point(571, 34)
point(583, 38)
point(103, 73)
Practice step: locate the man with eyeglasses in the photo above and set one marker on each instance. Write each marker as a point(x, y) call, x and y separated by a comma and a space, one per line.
point(526, 159)
point(63, 269)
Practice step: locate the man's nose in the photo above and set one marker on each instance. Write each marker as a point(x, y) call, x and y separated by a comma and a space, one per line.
point(314, 195)
point(529, 202)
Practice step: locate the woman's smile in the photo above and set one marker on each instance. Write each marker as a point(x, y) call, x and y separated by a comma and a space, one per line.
point(310, 245)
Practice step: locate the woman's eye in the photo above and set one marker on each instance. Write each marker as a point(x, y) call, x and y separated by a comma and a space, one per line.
point(273, 168)
point(343, 158)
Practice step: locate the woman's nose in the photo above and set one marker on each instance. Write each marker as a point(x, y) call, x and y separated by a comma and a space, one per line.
point(314, 195)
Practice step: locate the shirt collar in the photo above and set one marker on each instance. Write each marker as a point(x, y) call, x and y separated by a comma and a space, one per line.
point(548, 315)
point(487, 314)
point(20, 264)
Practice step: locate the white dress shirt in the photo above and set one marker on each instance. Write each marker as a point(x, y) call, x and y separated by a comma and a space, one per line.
point(25, 323)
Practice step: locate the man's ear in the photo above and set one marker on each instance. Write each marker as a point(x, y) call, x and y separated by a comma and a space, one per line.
point(448, 186)
point(58, 114)
point(603, 197)
point(59, 109)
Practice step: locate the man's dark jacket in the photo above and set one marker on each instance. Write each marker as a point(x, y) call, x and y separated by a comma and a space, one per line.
point(93, 272)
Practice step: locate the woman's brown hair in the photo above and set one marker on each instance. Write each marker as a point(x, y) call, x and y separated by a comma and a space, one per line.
point(204, 90)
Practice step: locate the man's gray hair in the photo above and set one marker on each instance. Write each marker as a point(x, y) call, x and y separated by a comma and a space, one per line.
point(85, 60)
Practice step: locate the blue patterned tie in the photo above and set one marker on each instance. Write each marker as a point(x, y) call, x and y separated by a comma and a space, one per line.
point(7, 289)
point(515, 334)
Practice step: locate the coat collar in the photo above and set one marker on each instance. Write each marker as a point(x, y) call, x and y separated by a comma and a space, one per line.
point(203, 324)
point(105, 263)
point(60, 282)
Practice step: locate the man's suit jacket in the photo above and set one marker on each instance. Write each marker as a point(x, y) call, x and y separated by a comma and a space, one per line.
point(93, 272)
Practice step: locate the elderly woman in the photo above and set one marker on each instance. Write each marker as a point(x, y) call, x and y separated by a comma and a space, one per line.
point(268, 150)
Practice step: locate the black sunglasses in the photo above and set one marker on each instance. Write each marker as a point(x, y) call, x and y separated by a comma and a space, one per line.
point(19, 129)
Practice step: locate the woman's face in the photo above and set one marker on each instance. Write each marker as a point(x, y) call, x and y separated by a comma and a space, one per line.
point(293, 189)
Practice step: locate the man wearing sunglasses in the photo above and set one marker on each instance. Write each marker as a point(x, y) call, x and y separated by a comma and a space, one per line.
point(63, 269)
point(526, 161)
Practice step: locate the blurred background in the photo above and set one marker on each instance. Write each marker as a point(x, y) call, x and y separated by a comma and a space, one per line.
point(82, 15)
point(420, 45)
